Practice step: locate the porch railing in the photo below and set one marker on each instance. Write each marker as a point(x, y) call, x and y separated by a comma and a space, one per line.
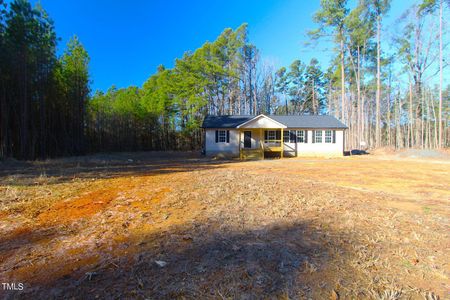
point(273, 145)
point(272, 141)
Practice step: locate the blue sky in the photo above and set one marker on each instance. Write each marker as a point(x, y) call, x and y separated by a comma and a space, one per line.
point(127, 40)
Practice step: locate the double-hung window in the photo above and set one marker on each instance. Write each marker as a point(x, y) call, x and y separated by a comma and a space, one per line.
point(328, 136)
point(292, 136)
point(286, 136)
point(300, 136)
point(222, 136)
point(318, 136)
point(271, 135)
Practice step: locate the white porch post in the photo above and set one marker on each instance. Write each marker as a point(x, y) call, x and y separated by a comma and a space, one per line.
point(282, 143)
point(240, 146)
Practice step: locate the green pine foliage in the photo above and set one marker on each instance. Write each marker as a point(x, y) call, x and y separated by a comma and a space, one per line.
point(167, 112)
point(47, 108)
point(43, 97)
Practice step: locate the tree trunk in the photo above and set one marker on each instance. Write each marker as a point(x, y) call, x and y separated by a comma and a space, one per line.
point(314, 98)
point(441, 7)
point(358, 86)
point(24, 109)
point(436, 138)
point(421, 122)
point(286, 103)
point(342, 81)
point(388, 125)
point(363, 116)
point(4, 128)
point(411, 120)
point(378, 94)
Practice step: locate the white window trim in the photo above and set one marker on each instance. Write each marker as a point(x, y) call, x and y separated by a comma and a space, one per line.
point(269, 135)
point(224, 132)
point(302, 136)
point(286, 135)
point(317, 135)
point(330, 137)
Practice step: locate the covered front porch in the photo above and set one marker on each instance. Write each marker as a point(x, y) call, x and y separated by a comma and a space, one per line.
point(260, 136)
point(255, 143)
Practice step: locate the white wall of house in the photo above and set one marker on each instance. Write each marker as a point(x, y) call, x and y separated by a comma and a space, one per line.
point(316, 149)
point(227, 149)
point(291, 149)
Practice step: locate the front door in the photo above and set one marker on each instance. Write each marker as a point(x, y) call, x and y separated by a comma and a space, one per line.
point(247, 139)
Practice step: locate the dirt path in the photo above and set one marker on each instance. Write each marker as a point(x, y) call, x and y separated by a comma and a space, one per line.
point(174, 226)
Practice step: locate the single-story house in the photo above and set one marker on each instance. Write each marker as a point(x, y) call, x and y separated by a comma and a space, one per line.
point(262, 136)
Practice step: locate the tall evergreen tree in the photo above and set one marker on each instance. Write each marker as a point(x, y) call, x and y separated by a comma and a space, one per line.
point(4, 113)
point(75, 73)
point(380, 8)
point(296, 81)
point(282, 86)
point(314, 88)
point(331, 18)
point(29, 59)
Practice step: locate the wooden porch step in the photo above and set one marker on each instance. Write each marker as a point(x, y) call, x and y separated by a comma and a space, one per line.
point(252, 154)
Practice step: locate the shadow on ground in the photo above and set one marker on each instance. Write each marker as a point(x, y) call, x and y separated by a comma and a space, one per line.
point(196, 261)
point(103, 166)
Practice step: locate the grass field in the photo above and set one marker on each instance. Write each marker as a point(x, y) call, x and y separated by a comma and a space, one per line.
point(153, 225)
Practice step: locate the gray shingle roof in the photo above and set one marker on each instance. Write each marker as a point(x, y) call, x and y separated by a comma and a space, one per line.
point(302, 121)
point(231, 121)
point(309, 121)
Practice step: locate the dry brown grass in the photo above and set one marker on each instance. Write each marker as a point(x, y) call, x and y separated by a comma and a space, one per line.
point(356, 227)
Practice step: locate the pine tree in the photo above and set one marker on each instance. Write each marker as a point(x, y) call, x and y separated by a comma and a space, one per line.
point(331, 17)
point(380, 8)
point(75, 72)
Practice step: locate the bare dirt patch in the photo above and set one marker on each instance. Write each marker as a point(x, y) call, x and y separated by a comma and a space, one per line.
point(154, 225)
point(73, 209)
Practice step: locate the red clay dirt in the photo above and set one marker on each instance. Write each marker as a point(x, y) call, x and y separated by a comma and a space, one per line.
point(73, 209)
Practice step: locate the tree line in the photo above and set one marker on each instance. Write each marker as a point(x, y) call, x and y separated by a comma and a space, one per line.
point(42, 97)
point(386, 98)
point(225, 76)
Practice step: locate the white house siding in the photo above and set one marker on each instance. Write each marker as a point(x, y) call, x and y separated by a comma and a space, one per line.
point(231, 149)
point(316, 149)
point(226, 149)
